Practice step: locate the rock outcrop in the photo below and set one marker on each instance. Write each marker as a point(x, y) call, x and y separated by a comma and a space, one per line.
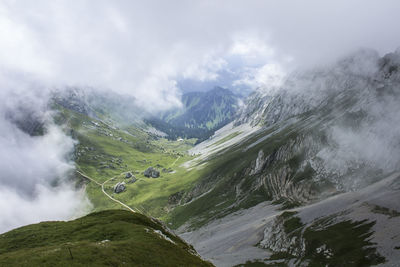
point(133, 180)
point(151, 172)
point(175, 198)
point(119, 187)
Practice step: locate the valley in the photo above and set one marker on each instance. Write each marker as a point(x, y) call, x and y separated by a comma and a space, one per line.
point(105, 153)
point(268, 188)
point(200, 133)
point(233, 195)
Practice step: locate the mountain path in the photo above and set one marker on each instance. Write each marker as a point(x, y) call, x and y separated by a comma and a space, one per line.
point(104, 192)
point(173, 163)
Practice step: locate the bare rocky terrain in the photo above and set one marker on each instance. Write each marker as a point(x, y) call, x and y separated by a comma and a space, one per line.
point(307, 174)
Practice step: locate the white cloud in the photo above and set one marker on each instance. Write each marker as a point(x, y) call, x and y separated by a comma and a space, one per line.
point(205, 71)
point(268, 76)
point(252, 48)
point(61, 203)
point(29, 168)
point(34, 170)
point(136, 46)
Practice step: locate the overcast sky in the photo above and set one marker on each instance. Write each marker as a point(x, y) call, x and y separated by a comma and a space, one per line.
point(152, 50)
point(146, 48)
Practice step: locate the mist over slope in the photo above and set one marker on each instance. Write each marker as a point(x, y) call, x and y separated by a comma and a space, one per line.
point(78, 78)
point(35, 163)
point(359, 96)
point(101, 104)
point(322, 133)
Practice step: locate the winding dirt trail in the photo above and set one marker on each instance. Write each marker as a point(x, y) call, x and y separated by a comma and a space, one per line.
point(173, 163)
point(102, 189)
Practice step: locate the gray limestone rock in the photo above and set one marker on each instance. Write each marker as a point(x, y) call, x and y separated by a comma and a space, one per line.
point(151, 172)
point(119, 187)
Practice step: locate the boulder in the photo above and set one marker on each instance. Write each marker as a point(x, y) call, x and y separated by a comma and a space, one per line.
point(119, 187)
point(131, 181)
point(169, 170)
point(128, 175)
point(151, 172)
point(155, 174)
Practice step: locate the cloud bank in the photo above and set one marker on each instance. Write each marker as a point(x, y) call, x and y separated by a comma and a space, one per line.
point(146, 48)
point(34, 170)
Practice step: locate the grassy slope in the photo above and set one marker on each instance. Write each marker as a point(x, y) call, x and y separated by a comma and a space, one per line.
point(224, 172)
point(152, 195)
point(225, 169)
point(107, 238)
point(104, 152)
point(100, 146)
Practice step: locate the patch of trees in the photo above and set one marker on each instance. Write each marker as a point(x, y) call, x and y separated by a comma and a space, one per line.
point(175, 132)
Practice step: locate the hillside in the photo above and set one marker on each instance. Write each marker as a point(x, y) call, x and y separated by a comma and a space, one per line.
point(200, 133)
point(325, 134)
point(106, 153)
point(296, 151)
point(105, 105)
point(108, 238)
point(258, 186)
point(202, 113)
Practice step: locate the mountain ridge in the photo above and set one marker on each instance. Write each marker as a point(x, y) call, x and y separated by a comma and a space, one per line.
point(328, 135)
point(336, 136)
point(200, 116)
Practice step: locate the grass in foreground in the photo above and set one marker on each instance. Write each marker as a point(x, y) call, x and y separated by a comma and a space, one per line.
point(107, 238)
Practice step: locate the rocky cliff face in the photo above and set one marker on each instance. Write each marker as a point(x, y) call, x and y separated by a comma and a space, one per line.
point(101, 105)
point(352, 104)
point(327, 130)
point(74, 99)
point(325, 154)
point(285, 173)
point(358, 78)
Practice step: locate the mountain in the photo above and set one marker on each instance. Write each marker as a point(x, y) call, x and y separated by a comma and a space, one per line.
point(304, 174)
point(307, 170)
point(205, 110)
point(108, 238)
point(103, 105)
point(202, 113)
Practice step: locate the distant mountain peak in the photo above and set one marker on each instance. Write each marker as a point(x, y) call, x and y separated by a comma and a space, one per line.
point(220, 89)
point(202, 114)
